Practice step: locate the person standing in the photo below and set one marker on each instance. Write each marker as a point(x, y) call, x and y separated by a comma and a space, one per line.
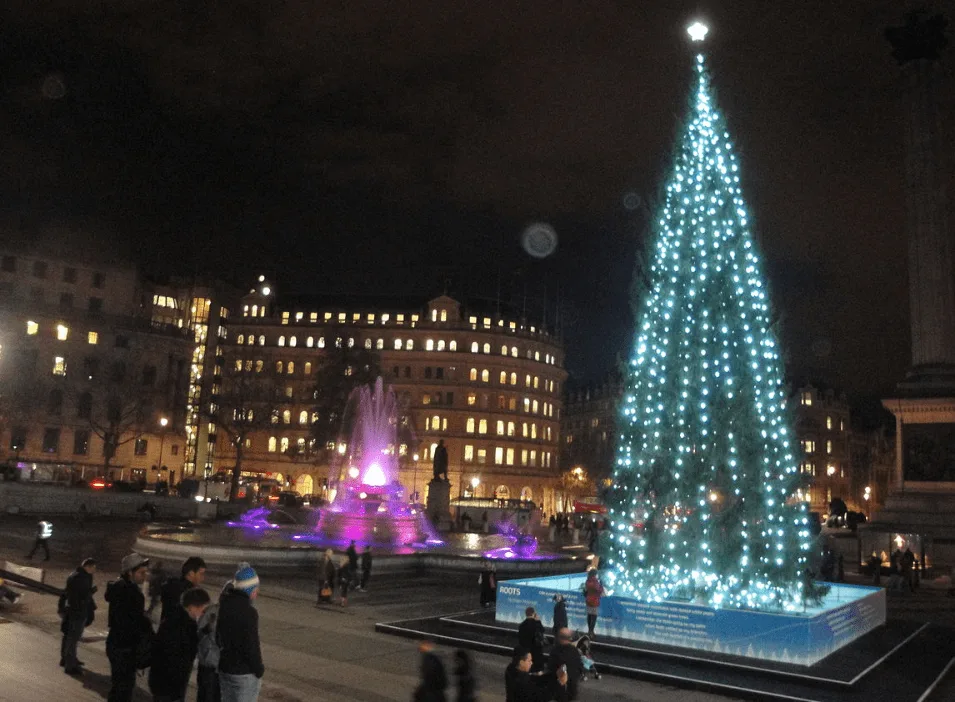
point(434, 680)
point(488, 583)
point(207, 674)
point(560, 614)
point(464, 675)
point(44, 532)
point(352, 554)
point(345, 579)
point(530, 637)
point(365, 568)
point(593, 591)
point(129, 628)
point(193, 574)
point(237, 629)
point(177, 643)
point(566, 654)
point(520, 686)
point(326, 577)
point(78, 613)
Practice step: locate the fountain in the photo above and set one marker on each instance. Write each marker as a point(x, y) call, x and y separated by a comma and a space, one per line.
point(369, 505)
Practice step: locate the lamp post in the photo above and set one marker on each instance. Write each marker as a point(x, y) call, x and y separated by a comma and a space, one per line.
point(475, 481)
point(414, 486)
point(163, 423)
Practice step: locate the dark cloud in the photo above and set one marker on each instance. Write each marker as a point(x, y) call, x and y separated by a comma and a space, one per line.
point(402, 144)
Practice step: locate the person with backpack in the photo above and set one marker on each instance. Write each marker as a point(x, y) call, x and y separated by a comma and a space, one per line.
point(129, 643)
point(177, 642)
point(207, 674)
point(76, 608)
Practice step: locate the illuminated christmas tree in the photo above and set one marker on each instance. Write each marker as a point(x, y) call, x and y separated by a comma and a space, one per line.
point(702, 504)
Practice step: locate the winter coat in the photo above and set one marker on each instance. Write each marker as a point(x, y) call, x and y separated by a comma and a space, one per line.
point(171, 594)
point(237, 631)
point(593, 591)
point(326, 573)
point(173, 654)
point(560, 615)
point(530, 635)
point(128, 623)
point(521, 687)
point(366, 561)
point(567, 654)
point(434, 681)
point(79, 595)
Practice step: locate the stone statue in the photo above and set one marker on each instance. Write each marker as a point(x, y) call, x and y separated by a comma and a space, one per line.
point(440, 463)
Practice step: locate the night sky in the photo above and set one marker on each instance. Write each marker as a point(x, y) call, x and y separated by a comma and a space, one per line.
point(401, 147)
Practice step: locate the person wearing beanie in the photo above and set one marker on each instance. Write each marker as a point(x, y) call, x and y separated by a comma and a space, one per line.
point(129, 628)
point(240, 655)
point(177, 643)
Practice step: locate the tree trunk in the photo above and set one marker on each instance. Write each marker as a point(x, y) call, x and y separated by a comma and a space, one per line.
point(109, 451)
point(236, 471)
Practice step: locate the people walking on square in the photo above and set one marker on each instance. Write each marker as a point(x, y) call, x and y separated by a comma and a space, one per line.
point(487, 581)
point(560, 614)
point(177, 643)
point(326, 577)
point(345, 580)
point(78, 612)
point(434, 680)
point(156, 578)
point(464, 677)
point(130, 631)
point(365, 568)
point(530, 636)
point(193, 574)
point(907, 562)
point(240, 654)
point(593, 591)
point(875, 566)
point(44, 532)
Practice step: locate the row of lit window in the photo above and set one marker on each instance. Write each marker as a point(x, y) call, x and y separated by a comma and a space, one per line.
point(62, 332)
point(437, 315)
point(398, 344)
point(506, 456)
point(506, 428)
point(809, 446)
point(809, 468)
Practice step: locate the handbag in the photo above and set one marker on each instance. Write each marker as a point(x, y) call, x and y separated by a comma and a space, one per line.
point(325, 591)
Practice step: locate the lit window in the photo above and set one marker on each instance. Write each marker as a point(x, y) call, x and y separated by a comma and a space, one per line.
point(806, 398)
point(536, 381)
point(485, 376)
point(514, 351)
point(310, 342)
point(397, 344)
point(284, 444)
point(534, 430)
point(299, 316)
point(62, 332)
point(534, 407)
point(281, 341)
point(470, 425)
point(380, 344)
point(400, 318)
point(440, 345)
point(523, 458)
point(500, 428)
point(513, 378)
point(272, 444)
point(262, 340)
point(809, 446)
point(356, 316)
point(259, 364)
point(342, 317)
point(351, 342)
point(829, 422)
point(510, 428)
point(410, 346)
point(59, 365)
point(472, 376)
point(255, 313)
point(308, 367)
point(314, 417)
point(279, 366)
point(537, 355)
point(303, 417)
point(245, 311)
point(468, 453)
point(842, 426)
point(444, 315)
point(452, 345)
point(92, 337)
point(368, 343)
point(429, 345)
point(533, 458)
point(472, 398)
point(251, 340)
point(503, 377)
point(527, 380)
point(338, 342)
point(321, 342)
point(510, 457)
point(504, 350)
point(238, 364)
point(487, 322)
point(313, 317)
point(287, 417)
point(385, 317)
point(426, 399)
point(240, 339)
point(434, 315)
point(32, 328)
point(291, 367)
point(482, 426)
point(499, 455)
point(828, 447)
point(292, 341)
point(527, 404)
point(524, 430)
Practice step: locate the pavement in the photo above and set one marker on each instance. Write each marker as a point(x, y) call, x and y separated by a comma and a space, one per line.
point(329, 652)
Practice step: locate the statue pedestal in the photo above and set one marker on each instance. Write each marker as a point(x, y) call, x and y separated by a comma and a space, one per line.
point(439, 503)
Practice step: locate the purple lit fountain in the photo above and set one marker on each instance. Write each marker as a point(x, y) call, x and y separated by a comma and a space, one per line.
point(369, 505)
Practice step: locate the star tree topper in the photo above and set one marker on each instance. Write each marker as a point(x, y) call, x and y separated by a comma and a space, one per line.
point(697, 31)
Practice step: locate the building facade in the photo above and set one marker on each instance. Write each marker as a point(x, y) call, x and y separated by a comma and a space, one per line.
point(588, 433)
point(488, 385)
point(89, 384)
point(824, 434)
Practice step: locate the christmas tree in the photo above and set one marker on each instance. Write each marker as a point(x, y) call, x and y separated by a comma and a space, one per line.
point(702, 504)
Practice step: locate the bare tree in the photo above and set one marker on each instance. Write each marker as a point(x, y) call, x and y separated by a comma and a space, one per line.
point(247, 401)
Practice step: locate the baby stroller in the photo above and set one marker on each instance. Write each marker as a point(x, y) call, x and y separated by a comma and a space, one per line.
point(583, 645)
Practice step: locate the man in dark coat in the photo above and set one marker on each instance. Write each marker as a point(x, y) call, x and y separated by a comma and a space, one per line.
point(565, 653)
point(352, 554)
point(440, 461)
point(521, 686)
point(365, 568)
point(129, 628)
point(434, 679)
point(530, 637)
point(487, 581)
point(177, 642)
point(560, 614)
point(237, 629)
point(193, 575)
point(77, 613)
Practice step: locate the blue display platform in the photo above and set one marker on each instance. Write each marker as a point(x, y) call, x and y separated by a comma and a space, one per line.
point(848, 612)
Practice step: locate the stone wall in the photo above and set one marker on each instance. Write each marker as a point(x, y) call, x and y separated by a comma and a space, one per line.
point(50, 500)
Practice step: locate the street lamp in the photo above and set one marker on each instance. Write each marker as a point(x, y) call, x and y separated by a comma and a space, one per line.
point(163, 423)
point(414, 487)
point(475, 481)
